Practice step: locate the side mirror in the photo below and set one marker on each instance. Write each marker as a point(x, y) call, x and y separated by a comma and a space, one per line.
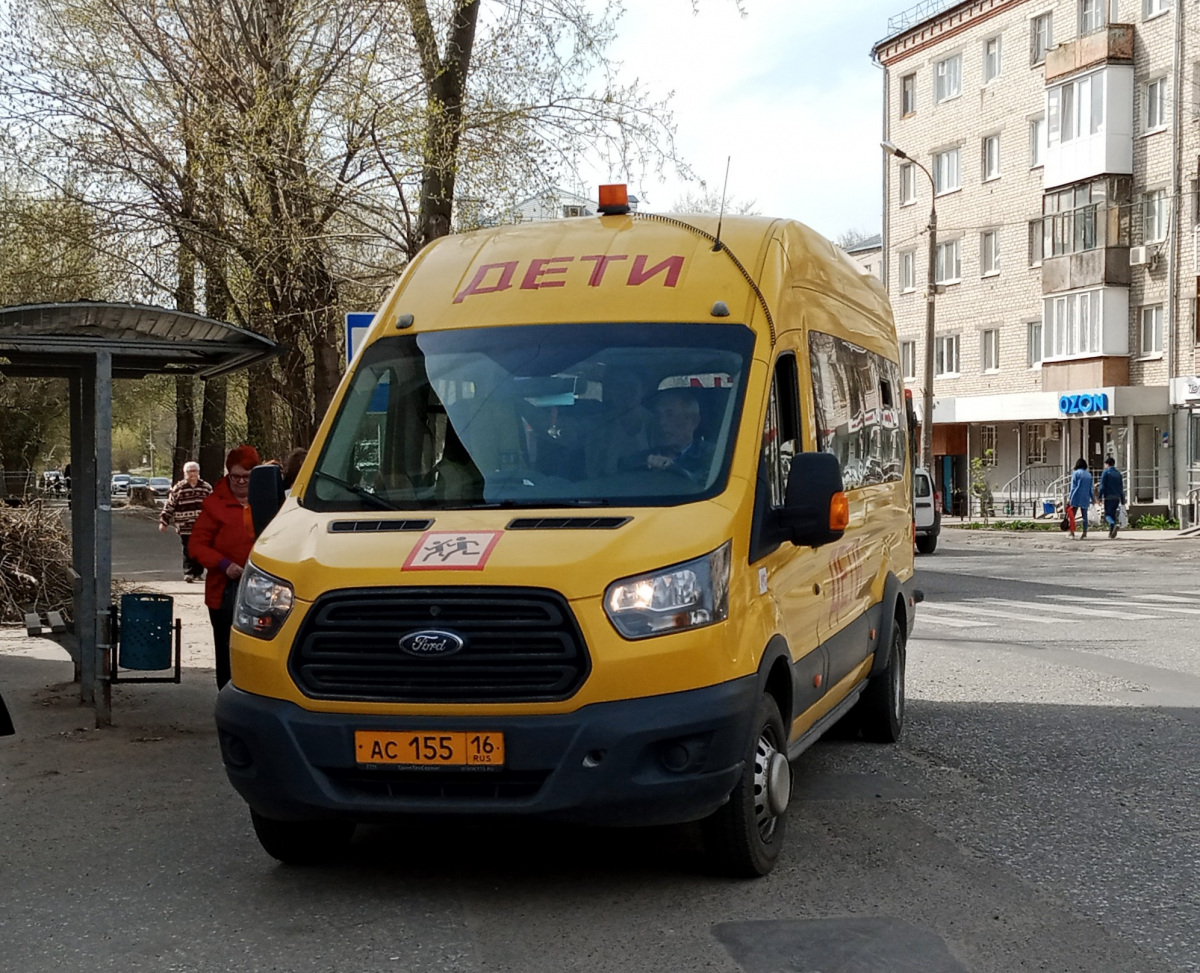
point(266, 495)
point(815, 510)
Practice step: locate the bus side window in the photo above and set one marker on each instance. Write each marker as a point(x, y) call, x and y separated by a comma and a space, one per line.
point(781, 431)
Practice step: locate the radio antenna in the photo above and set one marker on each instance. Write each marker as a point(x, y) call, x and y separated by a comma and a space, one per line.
point(721, 214)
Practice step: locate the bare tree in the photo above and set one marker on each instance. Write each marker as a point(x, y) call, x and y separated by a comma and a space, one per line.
point(300, 150)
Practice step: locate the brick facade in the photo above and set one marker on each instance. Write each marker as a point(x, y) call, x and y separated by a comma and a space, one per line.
point(939, 98)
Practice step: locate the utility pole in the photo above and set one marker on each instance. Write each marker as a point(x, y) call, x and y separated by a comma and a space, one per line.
point(930, 296)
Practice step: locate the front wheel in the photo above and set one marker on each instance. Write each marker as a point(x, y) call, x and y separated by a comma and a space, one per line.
point(744, 835)
point(303, 842)
point(881, 709)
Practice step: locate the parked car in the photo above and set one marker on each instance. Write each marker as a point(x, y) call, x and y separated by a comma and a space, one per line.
point(120, 484)
point(136, 482)
point(161, 485)
point(927, 511)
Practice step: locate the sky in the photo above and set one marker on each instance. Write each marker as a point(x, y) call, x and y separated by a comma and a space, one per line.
point(789, 92)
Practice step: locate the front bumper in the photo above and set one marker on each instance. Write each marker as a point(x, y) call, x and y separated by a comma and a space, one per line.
point(654, 760)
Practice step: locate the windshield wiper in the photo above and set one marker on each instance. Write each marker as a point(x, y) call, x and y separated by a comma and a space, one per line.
point(357, 490)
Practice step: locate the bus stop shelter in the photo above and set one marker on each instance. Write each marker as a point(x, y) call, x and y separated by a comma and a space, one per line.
point(90, 344)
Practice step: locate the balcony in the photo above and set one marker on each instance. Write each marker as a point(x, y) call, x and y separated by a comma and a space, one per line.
point(1088, 373)
point(1089, 121)
point(1090, 268)
point(1111, 45)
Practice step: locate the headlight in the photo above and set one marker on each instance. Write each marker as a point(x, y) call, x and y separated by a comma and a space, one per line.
point(687, 595)
point(263, 602)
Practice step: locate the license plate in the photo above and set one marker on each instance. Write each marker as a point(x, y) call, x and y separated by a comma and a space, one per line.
point(422, 748)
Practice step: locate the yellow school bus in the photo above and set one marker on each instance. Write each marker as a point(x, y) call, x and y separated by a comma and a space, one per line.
point(610, 519)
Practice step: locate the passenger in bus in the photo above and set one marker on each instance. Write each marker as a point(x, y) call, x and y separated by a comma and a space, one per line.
point(623, 430)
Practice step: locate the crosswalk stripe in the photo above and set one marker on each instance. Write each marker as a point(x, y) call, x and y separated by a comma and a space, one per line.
point(949, 622)
point(1076, 610)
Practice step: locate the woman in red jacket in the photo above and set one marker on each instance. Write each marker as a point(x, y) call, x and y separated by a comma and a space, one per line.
point(221, 541)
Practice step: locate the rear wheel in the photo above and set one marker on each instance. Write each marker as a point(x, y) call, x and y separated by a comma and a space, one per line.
point(744, 836)
point(880, 711)
point(927, 543)
point(303, 842)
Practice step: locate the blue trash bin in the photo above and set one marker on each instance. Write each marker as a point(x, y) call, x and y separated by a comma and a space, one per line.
point(146, 627)
point(1048, 508)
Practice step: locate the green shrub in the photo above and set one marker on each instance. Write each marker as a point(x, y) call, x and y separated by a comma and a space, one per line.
point(1012, 525)
point(1155, 522)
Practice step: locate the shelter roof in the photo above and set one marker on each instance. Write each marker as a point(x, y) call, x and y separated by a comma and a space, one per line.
point(46, 340)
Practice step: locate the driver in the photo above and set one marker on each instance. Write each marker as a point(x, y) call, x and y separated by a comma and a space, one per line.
point(675, 444)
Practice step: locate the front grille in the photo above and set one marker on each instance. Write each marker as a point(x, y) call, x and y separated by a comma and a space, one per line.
point(484, 785)
point(521, 645)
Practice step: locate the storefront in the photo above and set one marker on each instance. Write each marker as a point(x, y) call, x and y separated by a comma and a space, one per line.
point(1185, 400)
point(1025, 445)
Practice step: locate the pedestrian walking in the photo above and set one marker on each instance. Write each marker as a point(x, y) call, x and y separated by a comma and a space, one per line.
point(221, 541)
point(182, 508)
point(1080, 496)
point(1112, 495)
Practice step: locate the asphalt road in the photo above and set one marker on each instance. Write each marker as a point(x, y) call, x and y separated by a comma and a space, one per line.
point(1039, 814)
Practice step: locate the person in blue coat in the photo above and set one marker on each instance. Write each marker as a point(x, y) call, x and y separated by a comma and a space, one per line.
point(1080, 496)
point(1112, 493)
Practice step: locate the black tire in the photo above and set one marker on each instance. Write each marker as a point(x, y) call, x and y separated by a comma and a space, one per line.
point(744, 836)
point(927, 543)
point(880, 711)
point(303, 842)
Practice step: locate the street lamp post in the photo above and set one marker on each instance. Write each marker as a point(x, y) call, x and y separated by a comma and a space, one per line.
point(931, 293)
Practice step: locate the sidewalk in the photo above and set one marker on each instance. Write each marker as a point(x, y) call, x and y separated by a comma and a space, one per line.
point(36, 680)
point(1163, 543)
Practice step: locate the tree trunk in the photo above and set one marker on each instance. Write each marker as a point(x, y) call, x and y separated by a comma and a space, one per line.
point(185, 385)
point(185, 424)
point(446, 79)
point(260, 412)
point(212, 420)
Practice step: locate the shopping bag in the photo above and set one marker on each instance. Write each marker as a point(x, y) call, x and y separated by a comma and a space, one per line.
point(1070, 518)
point(1065, 523)
point(1122, 516)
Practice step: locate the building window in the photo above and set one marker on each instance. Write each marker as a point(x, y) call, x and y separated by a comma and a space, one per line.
point(1154, 216)
point(1035, 243)
point(949, 264)
point(990, 160)
point(908, 183)
point(1155, 105)
point(1075, 109)
point(948, 78)
point(573, 211)
point(1152, 8)
point(991, 59)
point(1037, 140)
point(989, 253)
point(946, 174)
point(989, 350)
point(1152, 330)
point(908, 94)
point(945, 356)
point(1073, 324)
point(908, 271)
point(1041, 36)
point(987, 445)
point(1036, 441)
point(1091, 15)
point(908, 359)
point(1034, 342)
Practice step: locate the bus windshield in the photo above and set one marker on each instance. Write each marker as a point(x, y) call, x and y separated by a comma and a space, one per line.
point(537, 416)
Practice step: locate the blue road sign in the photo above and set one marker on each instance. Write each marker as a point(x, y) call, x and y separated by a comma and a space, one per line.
point(358, 323)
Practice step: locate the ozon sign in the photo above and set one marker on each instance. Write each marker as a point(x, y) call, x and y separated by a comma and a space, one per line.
point(1084, 404)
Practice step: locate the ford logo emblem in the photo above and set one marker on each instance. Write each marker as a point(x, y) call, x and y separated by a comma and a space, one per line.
point(431, 642)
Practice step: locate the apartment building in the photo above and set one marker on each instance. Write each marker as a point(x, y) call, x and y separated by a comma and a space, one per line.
point(1059, 141)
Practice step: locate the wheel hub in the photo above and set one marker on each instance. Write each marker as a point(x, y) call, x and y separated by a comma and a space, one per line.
point(779, 783)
